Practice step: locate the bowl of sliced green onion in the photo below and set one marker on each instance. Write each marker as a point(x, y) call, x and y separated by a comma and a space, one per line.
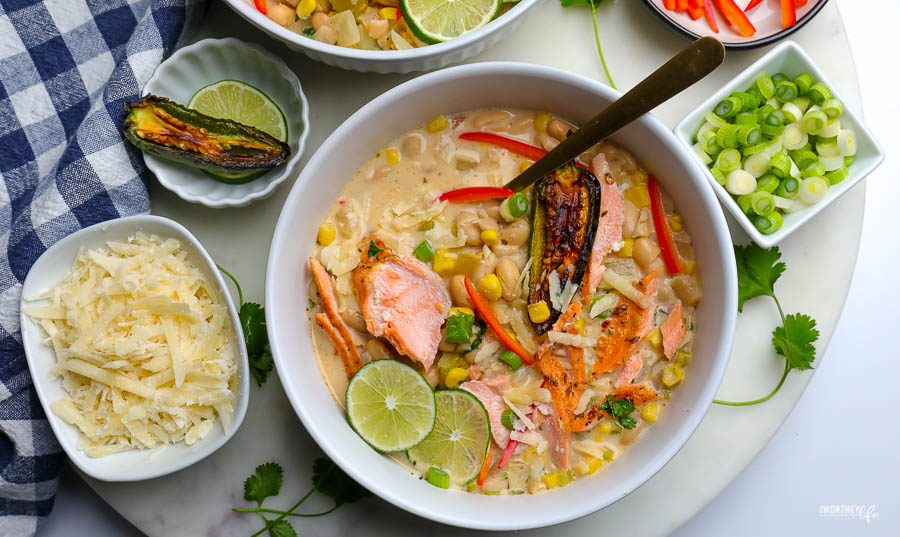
point(779, 144)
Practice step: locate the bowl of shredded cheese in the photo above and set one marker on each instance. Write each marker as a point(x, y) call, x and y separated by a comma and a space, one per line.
point(135, 348)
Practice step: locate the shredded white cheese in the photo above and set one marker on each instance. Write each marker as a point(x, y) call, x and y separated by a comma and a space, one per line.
point(572, 340)
point(144, 349)
point(626, 287)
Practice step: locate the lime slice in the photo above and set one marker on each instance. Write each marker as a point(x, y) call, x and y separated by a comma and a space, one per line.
point(237, 101)
point(460, 439)
point(390, 405)
point(435, 21)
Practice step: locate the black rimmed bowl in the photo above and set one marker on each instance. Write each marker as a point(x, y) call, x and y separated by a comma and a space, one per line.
point(766, 17)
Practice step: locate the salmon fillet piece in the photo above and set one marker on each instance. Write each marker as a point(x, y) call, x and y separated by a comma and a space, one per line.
point(633, 365)
point(609, 228)
point(673, 331)
point(402, 301)
point(558, 437)
point(332, 322)
point(493, 402)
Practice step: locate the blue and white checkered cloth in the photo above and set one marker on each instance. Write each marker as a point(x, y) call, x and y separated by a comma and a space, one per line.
point(66, 68)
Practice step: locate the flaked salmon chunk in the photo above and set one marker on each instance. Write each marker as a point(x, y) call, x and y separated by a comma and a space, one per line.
point(609, 228)
point(402, 301)
point(487, 391)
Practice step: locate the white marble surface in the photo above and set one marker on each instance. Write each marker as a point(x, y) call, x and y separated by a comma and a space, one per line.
point(744, 433)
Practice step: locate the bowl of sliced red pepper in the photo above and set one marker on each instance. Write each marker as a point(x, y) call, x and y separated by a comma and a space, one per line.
point(736, 23)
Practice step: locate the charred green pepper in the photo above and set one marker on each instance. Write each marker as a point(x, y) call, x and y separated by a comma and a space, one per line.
point(230, 151)
point(565, 212)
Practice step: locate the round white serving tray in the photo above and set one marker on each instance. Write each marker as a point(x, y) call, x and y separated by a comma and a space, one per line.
point(198, 500)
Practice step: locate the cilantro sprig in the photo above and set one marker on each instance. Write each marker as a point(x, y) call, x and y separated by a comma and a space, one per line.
point(253, 323)
point(266, 482)
point(619, 409)
point(758, 269)
point(593, 4)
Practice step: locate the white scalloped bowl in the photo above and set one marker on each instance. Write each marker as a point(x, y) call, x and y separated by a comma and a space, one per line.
point(212, 60)
point(391, 61)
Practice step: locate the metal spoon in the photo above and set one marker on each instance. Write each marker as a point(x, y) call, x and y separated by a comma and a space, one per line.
point(687, 67)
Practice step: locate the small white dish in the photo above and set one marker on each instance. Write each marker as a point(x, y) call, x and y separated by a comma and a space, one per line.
point(212, 60)
point(790, 59)
point(50, 268)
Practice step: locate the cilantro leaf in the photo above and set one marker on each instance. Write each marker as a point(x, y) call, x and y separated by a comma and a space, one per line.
point(758, 269)
point(261, 365)
point(459, 328)
point(265, 482)
point(253, 322)
point(627, 422)
point(374, 250)
point(281, 528)
point(333, 482)
point(795, 340)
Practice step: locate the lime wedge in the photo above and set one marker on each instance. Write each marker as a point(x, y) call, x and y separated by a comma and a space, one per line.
point(390, 405)
point(436, 21)
point(460, 439)
point(241, 102)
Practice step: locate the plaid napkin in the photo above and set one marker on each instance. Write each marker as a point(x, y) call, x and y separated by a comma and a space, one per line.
point(66, 67)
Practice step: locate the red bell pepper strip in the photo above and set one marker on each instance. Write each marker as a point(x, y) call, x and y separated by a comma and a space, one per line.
point(661, 225)
point(800, 3)
point(695, 12)
point(710, 15)
point(788, 13)
point(475, 193)
point(752, 4)
point(507, 453)
point(736, 17)
point(260, 6)
point(487, 465)
point(483, 307)
point(513, 146)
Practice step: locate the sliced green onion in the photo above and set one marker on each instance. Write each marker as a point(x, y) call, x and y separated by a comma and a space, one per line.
point(715, 120)
point(846, 141)
point(770, 223)
point(814, 169)
point(728, 160)
point(729, 107)
point(802, 103)
point(775, 119)
point(773, 102)
point(508, 418)
point(772, 131)
point(767, 183)
point(756, 164)
point(774, 146)
point(709, 143)
point(832, 163)
point(740, 182)
point(514, 207)
point(748, 135)
point(786, 91)
point(701, 154)
point(838, 175)
point(727, 136)
point(833, 108)
point(814, 121)
point(783, 203)
point(780, 165)
point(745, 118)
point(749, 101)
point(779, 77)
point(512, 359)
point(765, 85)
point(753, 90)
point(792, 113)
point(812, 190)
point(754, 149)
point(803, 82)
point(706, 127)
point(803, 157)
point(795, 171)
point(438, 478)
point(745, 203)
point(764, 111)
point(848, 161)
point(718, 175)
point(819, 93)
point(794, 137)
point(762, 202)
point(424, 252)
point(831, 129)
point(788, 187)
point(828, 149)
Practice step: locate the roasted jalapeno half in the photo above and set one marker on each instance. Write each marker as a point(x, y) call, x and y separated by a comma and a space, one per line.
point(229, 151)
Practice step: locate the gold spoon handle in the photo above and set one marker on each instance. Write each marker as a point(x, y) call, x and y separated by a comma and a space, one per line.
point(687, 67)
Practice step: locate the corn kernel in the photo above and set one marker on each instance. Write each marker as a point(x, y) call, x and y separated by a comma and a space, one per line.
point(579, 325)
point(655, 338)
point(639, 196)
point(609, 454)
point(605, 427)
point(388, 13)
point(465, 311)
point(490, 237)
point(690, 267)
point(305, 8)
point(675, 223)
point(437, 124)
point(529, 453)
point(392, 156)
point(551, 480)
point(455, 376)
point(539, 312)
point(511, 335)
point(650, 412)
point(582, 468)
point(490, 287)
point(540, 121)
point(524, 165)
point(327, 233)
point(672, 375)
point(467, 263)
point(444, 262)
point(627, 248)
point(595, 465)
point(639, 177)
point(683, 358)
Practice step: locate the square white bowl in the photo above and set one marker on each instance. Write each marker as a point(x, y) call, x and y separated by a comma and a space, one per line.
point(49, 269)
point(790, 59)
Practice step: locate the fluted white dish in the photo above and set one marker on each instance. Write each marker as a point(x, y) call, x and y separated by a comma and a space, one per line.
point(391, 61)
point(212, 60)
point(48, 270)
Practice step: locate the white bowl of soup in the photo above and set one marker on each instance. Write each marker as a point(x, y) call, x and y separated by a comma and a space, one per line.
point(379, 176)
